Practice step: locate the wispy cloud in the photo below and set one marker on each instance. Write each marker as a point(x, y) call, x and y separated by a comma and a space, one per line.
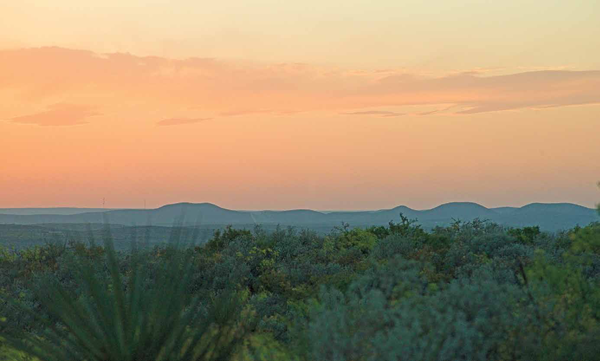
point(380, 113)
point(435, 111)
point(180, 121)
point(58, 115)
point(242, 112)
point(429, 112)
point(235, 113)
point(39, 76)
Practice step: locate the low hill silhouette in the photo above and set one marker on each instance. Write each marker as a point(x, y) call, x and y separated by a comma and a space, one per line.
point(549, 216)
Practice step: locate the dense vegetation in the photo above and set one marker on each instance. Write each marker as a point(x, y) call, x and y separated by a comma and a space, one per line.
point(470, 291)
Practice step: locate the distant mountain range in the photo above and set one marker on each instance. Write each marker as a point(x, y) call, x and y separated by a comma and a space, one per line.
point(549, 216)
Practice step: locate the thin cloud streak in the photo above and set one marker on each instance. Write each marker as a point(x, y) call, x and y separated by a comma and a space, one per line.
point(42, 75)
point(180, 121)
point(58, 115)
point(236, 113)
point(381, 113)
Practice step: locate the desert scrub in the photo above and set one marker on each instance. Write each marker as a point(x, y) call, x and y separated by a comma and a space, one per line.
point(115, 317)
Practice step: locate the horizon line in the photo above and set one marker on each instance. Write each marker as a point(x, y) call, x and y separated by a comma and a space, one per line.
point(101, 209)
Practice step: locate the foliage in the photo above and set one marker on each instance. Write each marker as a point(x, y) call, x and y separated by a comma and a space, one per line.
point(525, 235)
point(134, 316)
point(470, 291)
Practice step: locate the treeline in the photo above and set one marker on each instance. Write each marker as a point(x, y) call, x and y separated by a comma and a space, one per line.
point(470, 291)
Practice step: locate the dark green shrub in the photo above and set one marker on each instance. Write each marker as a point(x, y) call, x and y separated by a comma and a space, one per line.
point(525, 235)
point(157, 320)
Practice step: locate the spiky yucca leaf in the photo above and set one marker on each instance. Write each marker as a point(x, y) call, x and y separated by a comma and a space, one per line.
point(154, 321)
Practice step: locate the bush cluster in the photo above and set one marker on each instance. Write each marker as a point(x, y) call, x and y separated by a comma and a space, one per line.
point(470, 291)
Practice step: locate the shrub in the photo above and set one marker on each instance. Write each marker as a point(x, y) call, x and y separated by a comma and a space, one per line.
point(142, 321)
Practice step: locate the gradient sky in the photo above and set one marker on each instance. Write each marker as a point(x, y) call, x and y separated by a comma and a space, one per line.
point(323, 104)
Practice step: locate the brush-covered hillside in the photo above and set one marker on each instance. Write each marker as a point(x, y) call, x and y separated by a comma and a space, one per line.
point(471, 290)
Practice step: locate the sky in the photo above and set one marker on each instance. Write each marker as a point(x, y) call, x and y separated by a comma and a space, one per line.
point(328, 104)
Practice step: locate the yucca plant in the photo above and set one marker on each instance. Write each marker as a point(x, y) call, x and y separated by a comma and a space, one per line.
point(139, 317)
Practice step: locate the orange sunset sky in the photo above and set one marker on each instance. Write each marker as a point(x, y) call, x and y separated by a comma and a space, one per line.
point(326, 104)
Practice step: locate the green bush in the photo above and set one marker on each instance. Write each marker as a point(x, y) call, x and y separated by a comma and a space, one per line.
point(132, 317)
point(469, 291)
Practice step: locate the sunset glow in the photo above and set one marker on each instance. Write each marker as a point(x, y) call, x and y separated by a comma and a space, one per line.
point(270, 105)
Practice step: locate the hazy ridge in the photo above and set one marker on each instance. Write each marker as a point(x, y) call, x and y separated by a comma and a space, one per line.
point(549, 216)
